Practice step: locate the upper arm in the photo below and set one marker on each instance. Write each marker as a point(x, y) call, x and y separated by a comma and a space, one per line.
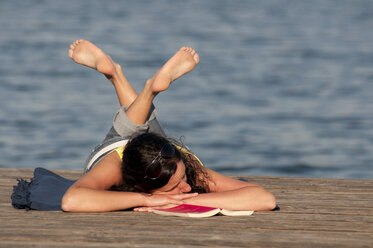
point(104, 175)
point(220, 183)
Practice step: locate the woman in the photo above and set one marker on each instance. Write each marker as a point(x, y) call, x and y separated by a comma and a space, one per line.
point(150, 171)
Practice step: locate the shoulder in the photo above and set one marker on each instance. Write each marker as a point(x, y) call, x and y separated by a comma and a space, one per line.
point(104, 174)
point(219, 183)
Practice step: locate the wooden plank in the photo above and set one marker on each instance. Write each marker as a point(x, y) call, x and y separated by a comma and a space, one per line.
point(314, 213)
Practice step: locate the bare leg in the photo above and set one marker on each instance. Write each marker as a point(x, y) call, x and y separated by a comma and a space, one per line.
point(181, 63)
point(86, 53)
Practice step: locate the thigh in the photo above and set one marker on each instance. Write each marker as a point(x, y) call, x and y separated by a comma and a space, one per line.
point(125, 128)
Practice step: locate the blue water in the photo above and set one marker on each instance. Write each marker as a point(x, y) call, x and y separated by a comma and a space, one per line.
point(284, 88)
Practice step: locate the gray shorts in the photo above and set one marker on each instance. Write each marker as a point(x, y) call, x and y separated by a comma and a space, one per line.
point(119, 134)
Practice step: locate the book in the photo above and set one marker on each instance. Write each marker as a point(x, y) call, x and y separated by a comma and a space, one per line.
point(195, 211)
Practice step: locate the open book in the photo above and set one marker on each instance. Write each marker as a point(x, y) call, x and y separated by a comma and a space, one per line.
point(187, 210)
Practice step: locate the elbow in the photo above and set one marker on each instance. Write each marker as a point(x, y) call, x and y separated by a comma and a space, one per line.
point(67, 203)
point(270, 203)
point(267, 202)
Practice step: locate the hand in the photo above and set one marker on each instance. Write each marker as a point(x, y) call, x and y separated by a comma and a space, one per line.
point(164, 201)
point(150, 209)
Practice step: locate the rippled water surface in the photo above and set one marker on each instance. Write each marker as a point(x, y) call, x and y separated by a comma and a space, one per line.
point(283, 87)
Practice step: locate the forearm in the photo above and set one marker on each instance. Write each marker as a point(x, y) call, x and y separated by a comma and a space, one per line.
point(80, 199)
point(247, 198)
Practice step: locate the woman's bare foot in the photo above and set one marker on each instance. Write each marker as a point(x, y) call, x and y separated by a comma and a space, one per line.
point(86, 53)
point(178, 65)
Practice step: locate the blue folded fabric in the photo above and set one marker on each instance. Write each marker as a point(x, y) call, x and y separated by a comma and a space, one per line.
point(43, 192)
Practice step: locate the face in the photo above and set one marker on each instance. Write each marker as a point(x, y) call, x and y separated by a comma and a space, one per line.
point(177, 183)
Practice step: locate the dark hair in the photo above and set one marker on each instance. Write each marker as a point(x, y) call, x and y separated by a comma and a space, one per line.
point(139, 153)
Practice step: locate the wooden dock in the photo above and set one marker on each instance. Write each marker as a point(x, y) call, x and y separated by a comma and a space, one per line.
point(314, 213)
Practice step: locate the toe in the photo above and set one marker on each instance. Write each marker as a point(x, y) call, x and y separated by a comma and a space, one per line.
point(196, 58)
point(70, 53)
